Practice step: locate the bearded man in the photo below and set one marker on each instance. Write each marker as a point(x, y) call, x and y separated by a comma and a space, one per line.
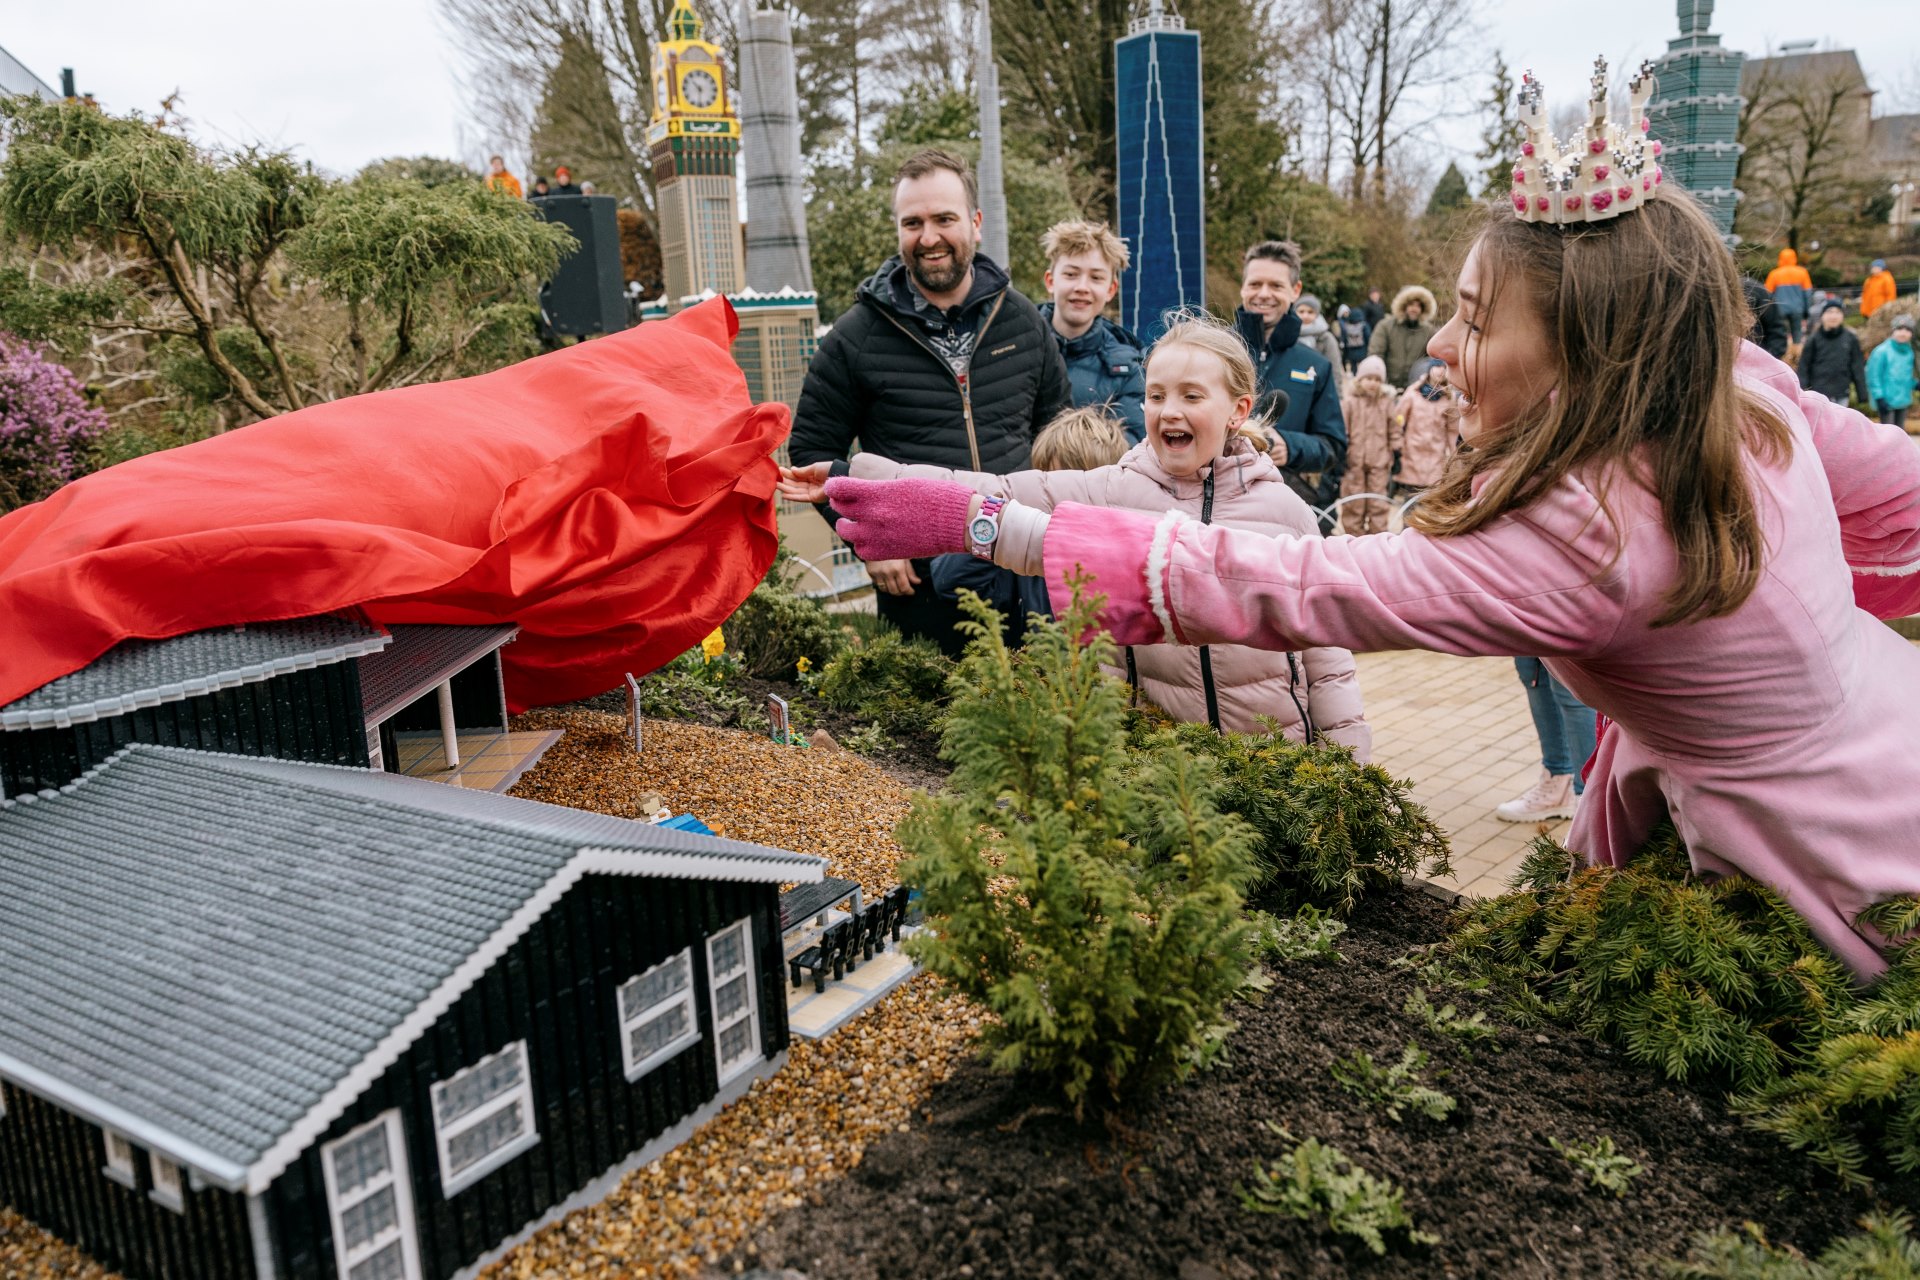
point(940, 360)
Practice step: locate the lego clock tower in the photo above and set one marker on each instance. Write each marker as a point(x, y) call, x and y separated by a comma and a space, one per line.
point(693, 138)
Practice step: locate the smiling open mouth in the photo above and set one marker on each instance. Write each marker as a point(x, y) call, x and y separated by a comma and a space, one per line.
point(1177, 439)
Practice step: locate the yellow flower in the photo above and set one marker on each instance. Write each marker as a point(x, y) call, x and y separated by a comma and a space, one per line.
point(805, 664)
point(714, 645)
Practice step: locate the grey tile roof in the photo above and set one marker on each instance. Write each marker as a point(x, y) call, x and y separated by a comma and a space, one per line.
point(204, 950)
point(145, 673)
point(422, 657)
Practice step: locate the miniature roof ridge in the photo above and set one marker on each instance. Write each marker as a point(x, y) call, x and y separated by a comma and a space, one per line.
point(140, 672)
point(291, 1021)
point(422, 656)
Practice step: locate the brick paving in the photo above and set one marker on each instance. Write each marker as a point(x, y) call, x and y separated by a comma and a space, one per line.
point(1459, 730)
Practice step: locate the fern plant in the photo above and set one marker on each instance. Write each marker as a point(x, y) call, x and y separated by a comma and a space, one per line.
point(1447, 1021)
point(1112, 938)
point(1331, 829)
point(1885, 1249)
point(1316, 1181)
point(1396, 1089)
point(1606, 1168)
point(1307, 935)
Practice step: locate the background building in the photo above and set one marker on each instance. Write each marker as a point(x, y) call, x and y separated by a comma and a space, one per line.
point(693, 139)
point(777, 249)
point(992, 172)
point(1161, 169)
point(1695, 112)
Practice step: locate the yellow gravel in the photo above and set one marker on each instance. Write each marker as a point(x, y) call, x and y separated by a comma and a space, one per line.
point(809, 1122)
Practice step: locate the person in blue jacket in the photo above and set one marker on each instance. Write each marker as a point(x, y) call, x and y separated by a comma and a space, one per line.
point(1106, 365)
point(1891, 374)
point(1310, 437)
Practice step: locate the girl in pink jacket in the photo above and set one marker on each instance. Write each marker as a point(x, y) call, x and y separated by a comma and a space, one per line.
point(1429, 424)
point(1695, 547)
point(1200, 459)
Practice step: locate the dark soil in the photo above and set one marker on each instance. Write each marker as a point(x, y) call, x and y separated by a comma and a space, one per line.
point(967, 1193)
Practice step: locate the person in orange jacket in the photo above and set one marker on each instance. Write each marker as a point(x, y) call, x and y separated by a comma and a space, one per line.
point(1792, 290)
point(499, 179)
point(1879, 289)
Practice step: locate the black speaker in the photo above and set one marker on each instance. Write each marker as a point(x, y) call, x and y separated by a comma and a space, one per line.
point(586, 294)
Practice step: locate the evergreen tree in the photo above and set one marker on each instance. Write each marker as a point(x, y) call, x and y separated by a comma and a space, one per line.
point(1450, 194)
point(1501, 135)
point(1092, 905)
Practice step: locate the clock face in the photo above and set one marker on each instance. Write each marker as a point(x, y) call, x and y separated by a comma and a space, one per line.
point(700, 88)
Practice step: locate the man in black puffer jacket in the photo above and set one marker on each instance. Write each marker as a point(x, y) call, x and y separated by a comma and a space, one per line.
point(1832, 362)
point(940, 361)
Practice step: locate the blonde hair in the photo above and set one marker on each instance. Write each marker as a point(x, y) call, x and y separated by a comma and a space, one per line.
point(1198, 329)
point(1066, 239)
point(1079, 440)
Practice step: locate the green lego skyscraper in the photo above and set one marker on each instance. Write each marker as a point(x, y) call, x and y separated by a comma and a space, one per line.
point(1696, 112)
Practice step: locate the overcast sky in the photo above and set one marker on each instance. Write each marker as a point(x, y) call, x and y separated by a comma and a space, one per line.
point(350, 81)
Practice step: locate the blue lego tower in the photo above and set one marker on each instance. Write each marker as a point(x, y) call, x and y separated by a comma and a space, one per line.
point(1162, 171)
point(1696, 112)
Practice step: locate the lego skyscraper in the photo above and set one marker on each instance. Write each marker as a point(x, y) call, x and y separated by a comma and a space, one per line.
point(1161, 168)
point(992, 170)
point(777, 254)
point(1695, 113)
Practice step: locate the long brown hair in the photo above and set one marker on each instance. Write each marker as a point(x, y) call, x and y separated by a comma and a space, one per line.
point(1644, 315)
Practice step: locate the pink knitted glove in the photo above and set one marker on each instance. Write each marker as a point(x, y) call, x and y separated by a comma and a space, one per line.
point(901, 519)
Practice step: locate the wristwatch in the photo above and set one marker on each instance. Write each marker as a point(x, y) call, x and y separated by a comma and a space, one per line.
point(984, 529)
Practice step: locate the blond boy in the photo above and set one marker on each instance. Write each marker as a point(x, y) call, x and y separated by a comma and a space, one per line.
point(1105, 367)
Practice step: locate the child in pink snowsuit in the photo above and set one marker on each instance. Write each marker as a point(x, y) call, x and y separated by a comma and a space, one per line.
point(1614, 416)
point(1429, 425)
point(1373, 438)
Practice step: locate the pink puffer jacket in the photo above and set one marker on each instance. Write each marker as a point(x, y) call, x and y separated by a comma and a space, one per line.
point(1428, 431)
point(1248, 494)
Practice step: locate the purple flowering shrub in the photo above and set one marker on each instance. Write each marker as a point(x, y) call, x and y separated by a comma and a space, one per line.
point(46, 424)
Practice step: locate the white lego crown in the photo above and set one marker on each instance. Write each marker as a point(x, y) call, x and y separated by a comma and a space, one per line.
point(1601, 172)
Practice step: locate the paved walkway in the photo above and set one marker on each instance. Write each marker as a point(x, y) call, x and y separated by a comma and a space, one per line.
point(1458, 728)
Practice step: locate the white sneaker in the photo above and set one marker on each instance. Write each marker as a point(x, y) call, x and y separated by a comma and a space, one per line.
point(1549, 798)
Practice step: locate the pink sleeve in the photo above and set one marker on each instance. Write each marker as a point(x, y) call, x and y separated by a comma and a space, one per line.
point(1874, 473)
point(1041, 490)
point(1546, 581)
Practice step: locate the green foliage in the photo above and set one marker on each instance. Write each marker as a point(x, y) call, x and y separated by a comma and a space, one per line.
point(869, 740)
point(1331, 829)
point(1501, 134)
point(1282, 205)
point(1716, 982)
point(428, 171)
point(693, 688)
point(1885, 1250)
point(1111, 947)
point(1447, 1021)
point(1606, 1169)
point(1450, 194)
point(1396, 1089)
point(897, 683)
point(775, 627)
point(1317, 1182)
point(1308, 934)
point(42, 312)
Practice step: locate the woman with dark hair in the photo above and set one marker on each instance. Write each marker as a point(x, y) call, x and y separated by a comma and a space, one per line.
point(1646, 502)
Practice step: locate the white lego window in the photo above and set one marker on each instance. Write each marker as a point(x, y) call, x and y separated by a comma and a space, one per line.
point(483, 1117)
point(119, 1164)
point(370, 1202)
point(169, 1187)
point(657, 1018)
point(731, 982)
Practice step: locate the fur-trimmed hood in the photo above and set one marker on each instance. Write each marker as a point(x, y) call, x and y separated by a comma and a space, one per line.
point(1414, 293)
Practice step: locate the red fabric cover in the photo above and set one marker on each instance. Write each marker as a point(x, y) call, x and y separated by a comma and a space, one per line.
point(614, 498)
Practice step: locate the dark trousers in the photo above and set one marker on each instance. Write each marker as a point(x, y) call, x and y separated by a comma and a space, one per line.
point(1894, 418)
point(924, 613)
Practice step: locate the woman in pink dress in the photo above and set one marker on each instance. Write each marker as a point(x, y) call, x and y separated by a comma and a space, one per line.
point(1695, 548)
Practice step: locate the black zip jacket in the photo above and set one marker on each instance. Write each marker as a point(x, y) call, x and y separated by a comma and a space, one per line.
point(879, 378)
point(1833, 363)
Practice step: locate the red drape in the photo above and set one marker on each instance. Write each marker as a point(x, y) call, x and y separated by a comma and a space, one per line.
point(614, 498)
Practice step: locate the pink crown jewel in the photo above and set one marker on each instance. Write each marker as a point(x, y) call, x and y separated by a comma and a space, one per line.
point(1601, 172)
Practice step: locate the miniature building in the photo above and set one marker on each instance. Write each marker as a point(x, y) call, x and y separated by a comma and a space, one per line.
point(329, 689)
point(286, 1021)
point(1696, 112)
point(692, 138)
point(777, 252)
point(991, 172)
point(1162, 200)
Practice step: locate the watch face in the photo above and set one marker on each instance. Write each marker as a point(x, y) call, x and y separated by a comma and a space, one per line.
point(700, 88)
point(984, 529)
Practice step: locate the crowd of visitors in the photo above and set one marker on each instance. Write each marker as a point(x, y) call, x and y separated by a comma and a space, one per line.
point(500, 178)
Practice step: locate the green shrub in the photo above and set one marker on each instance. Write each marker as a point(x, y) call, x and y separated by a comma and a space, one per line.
point(775, 628)
point(692, 688)
point(1331, 829)
point(1317, 1181)
point(1886, 1250)
point(897, 683)
point(1396, 1089)
point(1308, 934)
point(869, 740)
point(1716, 982)
point(1606, 1169)
point(1115, 939)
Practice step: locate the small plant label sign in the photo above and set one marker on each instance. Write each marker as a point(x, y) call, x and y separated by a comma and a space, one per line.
point(777, 720)
point(634, 718)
